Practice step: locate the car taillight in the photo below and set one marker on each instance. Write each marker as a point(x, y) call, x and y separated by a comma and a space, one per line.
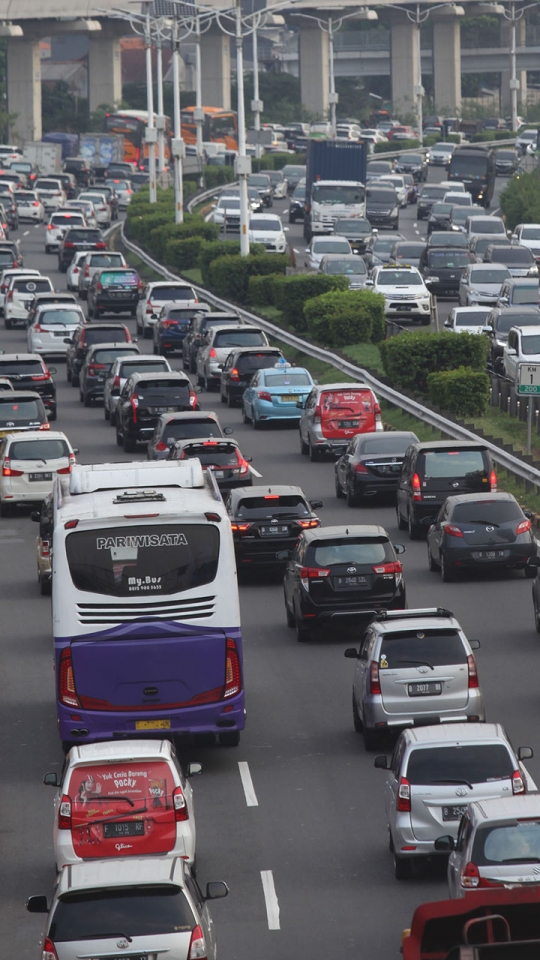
point(10, 295)
point(101, 245)
point(240, 527)
point(470, 878)
point(312, 573)
point(393, 567)
point(197, 946)
point(234, 375)
point(87, 270)
point(99, 287)
point(92, 367)
point(416, 486)
point(317, 415)
point(68, 245)
point(404, 796)
point(523, 527)
point(493, 481)
point(134, 405)
point(452, 530)
point(7, 470)
point(233, 676)
point(35, 203)
point(64, 470)
point(47, 951)
point(161, 446)
point(180, 805)
point(169, 323)
point(360, 468)
point(50, 226)
point(66, 681)
point(374, 679)
point(243, 464)
point(212, 353)
point(264, 395)
point(518, 783)
point(473, 672)
point(64, 813)
point(116, 381)
point(149, 307)
point(45, 548)
point(308, 524)
point(192, 399)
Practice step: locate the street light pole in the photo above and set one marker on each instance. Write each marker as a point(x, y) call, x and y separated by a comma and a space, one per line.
point(199, 115)
point(151, 133)
point(419, 91)
point(332, 95)
point(256, 103)
point(160, 108)
point(243, 163)
point(178, 143)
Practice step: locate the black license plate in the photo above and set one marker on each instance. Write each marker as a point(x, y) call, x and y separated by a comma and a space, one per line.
point(453, 813)
point(123, 828)
point(346, 583)
point(36, 477)
point(122, 956)
point(277, 531)
point(347, 424)
point(431, 689)
point(490, 554)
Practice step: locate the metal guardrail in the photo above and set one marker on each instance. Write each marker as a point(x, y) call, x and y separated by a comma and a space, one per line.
point(453, 430)
point(207, 195)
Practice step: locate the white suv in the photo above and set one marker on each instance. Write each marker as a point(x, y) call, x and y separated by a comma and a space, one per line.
point(404, 291)
point(266, 228)
point(59, 223)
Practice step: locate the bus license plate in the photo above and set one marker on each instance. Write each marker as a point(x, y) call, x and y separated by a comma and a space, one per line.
point(453, 813)
point(123, 828)
point(425, 689)
point(152, 724)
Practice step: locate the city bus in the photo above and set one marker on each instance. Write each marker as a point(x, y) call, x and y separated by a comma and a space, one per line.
point(145, 607)
point(219, 126)
point(131, 124)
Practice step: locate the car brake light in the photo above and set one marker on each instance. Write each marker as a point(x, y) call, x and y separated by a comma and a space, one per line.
point(374, 678)
point(312, 573)
point(134, 405)
point(47, 951)
point(243, 464)
point(7, 471)
point(212, 353)
point(360, 468)
point(92, 367)
point(101, 245)
point(87, 270)
point(452, 530)
point(233, 676)
point(240, 527)
point(64, 470)
point(68, 245)
point(493, 481)
point(234, 374)
point(417, 495)
point(264, 395)
point(404, 795)
point(67, 693)
point(116, 381)
point(149, 307)
point(197, 946)
point(518, 783)
point(161, 446)
point(180, 805)
point(523, 527)
point(473, 672)
point(169, 323)
point(50, 226)
point(317, 415)
point(309, 524)
point(44, 426)
point(393, 567)
point(192, 399)
point(45, 548)
point(470, 878)
point(64, 813)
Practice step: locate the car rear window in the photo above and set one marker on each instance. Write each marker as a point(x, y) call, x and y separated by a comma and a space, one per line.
point(155, 366)
point(471, 763)
point(453, 463)
point(141, 911)
point(273, 505)
point(256, 361)
point(272, 379)
point(345, 401)
point(109, 356)
point(172, 293)
point(220, 453)
point(38, 450)
point(359, 550)
point(525, 294)
point(25, 196)
point(104, 336)
point(150, 386)
point(487, 225)
point(19, 410)
point(488, 511)
point(441, 209)
point(32, 286)
point(6, 258)
point(84, 236)
point(386, 444)
point(62, 218)
point(432, 648)
point(105, 259)
point(127, 278)
point(160, 559)
point(20, 367)
point(505, 321)
point(513, 255)
point(470, 318)
point(239, 338)
point(185, 429)
point(508, 842)
point(140, 780)
point(405, 250)
point(449, 258)
point(487, 275)
point(51, 317)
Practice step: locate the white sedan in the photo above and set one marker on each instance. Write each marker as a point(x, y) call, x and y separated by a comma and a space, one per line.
point(467, 320)
point(266, 228)
point(29, 206)
point(320, 246)
point(74, 270)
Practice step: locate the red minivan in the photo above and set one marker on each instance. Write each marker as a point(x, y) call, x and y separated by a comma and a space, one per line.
point(334, 413)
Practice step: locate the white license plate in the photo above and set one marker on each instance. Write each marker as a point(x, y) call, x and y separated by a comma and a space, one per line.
point(219, 474)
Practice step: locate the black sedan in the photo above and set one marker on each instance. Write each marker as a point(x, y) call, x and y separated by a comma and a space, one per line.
point(479, 531)
point(371, 465)
point(414, 163)
point(266, 523)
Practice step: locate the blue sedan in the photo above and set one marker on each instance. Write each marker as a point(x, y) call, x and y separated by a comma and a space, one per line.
point(274, 392)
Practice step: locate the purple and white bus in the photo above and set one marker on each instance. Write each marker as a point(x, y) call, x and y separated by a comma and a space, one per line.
point(146, 615)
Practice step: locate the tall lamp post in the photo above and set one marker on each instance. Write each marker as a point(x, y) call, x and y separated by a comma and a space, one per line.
point(513, 15)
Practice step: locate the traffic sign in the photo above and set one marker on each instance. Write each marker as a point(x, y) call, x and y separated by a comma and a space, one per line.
point(529, 378)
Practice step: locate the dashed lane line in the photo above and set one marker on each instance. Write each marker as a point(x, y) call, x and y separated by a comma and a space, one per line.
point(247, 783)
point(271, 900)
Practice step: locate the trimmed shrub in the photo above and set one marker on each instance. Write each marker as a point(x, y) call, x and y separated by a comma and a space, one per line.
point(343, 316)
point(409, 358)
point(462, 392)
point(520, 201)
point(216, 175)
point(229, 276)
point(291, 293)
point(222, 248)
point(276, 161)
point(394, 145)
point(183, 254)
point(261, 290)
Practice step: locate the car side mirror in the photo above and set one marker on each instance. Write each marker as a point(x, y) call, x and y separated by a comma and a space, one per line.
point(511, 352)
point(194, 769)
point(248, 459)
point(66, 340)
point(399, 548)
point(35, 516)
point(37, 905)
point(513, 236)
point(487, 329)
point(448, 324)
point(444, 844)
point(134, 339)
point(369, 283)
point(528, 514)
point(216, 889)
point(227, 431)
point(351, 653)
point(316, 504)
point(474, 644)
point(50, 780)
point(525, 753)
point(381, 762)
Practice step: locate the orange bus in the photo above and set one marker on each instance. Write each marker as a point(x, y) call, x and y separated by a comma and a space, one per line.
point(219, 126)
point(131, 124)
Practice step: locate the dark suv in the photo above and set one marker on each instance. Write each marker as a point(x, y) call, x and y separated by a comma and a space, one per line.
point(96, 367)
point(500, 320)
point(115, 290)
point(338, 574)
point(172, 325)
point(27, 371)
point(198, 326)
point(85, 336)
point(267, 521)
point(144, 397)
point(442, 269)
point(239, 368)
point(80, 168)
point(76, 239)
point(172, 427)
point(431, 472)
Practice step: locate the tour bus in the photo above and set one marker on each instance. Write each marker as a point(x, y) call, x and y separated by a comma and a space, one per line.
point(131, 124)
point(145, 607)
point(219, 126)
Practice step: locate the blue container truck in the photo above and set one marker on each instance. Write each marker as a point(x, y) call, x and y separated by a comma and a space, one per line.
point(335, 184)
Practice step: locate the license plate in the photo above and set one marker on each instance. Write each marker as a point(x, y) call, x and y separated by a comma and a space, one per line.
point(453, 813)
point(123, 828)
point(431, 689)
point(122, 956)
point(347, 424)
point(219, 474)
point(289, 398)
point(152, 724)
point(36, 477)
point(55, 333)
point(278, 531)
point(491, 554)
point(344, 583)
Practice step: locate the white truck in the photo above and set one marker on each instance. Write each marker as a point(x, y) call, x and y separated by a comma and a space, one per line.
point(46, 156)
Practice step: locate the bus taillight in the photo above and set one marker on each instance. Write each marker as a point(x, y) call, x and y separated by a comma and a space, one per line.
point(233, 676)
point(66, 683)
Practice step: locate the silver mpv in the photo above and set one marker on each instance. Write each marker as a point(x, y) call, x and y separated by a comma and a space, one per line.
point(128, 908)
point(432, 776)
point(413, 668)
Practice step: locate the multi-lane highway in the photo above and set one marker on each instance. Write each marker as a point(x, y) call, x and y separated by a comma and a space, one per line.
point(293, 818)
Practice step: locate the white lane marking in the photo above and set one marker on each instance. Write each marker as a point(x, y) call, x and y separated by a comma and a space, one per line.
point(247, 783)
point(417, 232)
point(531, 786)
point(37, 226)
point(26, 232)
point(255, 472)
point(271, 900)
point(286, 228)
point(295, 250)
point(495, 212)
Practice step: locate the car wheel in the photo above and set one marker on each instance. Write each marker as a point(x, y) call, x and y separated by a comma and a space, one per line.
point(357, 719)
point(303, 446)
point(291, 622)
point(339, 492)
point(133, 314)
point(401, 523)
point(45, 586)
point(68, 373)
point(402, 867)
point(138, 325)
point(87, 400)
point(230, 402)
point(431, 562)
point(257, 425)
point(52, 415)
point(303, 633)
point(530, 572)
point(448, 574)
point(147, 333)
point(106, 412)
point(83, 295)
point(200, 381)
point(536, 617)
point(129, 445)
point(192, 365)
point(415, 530)
point(47, 248)
point(81, 396)
point(155, 350)
point(352, 499)
point(74, 380)
point(229, 739)
point(245, 418)
point(119, 440)
point(206, 384)
point(5, 509)
point(7, 324)
point(371, 739)
point(112, 419)
point(223, 398)
point(312, 452)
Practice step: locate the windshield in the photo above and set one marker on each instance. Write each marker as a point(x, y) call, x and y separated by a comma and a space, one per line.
point(144, 911)
point(513, 255)
point(473, 763)
point(38, 450)
point(506, 155)
point(412, 158)
point(376, 195)
point(213, 453)
point(441, 209)
point(406, 251)
point(63, 317)
point(530, 233)
point(141, 560)
point(484, 275)
point(469, 166)
point(259, 180)
point(377, 168)
point(387, 278)
point(448, 258)
point(338, 194)
point(293, 170)
point(248, 363)
point(26, 196)
point(461, 200)
point(528, 135)
point(61, 218)
point(273, 225)
point(443, 147)
point(352, 228)
point(346, 267)
point(528, 294)
point(229, 203)
point(482, 243)
point(470, 318)
point(185, 429)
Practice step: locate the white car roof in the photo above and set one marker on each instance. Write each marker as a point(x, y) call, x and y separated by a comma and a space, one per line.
point(120, 872)
point(445, 733)
point(507, 808)
point(125, 750)
point(37, 435)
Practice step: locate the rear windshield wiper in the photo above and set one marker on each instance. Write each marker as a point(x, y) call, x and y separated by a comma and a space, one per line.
point(105, 936)
point(488, 523)
point(470, 786)
point(111, 800)
point(522, 860)
point(424, 663)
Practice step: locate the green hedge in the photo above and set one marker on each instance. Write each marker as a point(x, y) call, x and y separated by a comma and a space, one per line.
point(229, 276)
point(463, 392)
point(183, 254)
point(409, 358)
point(276, 161)
point(216, 176)
point(291, 293)
point(520, 201)
point(342, 317)
point(487, 135)
point(394, 145)
point(261, 290)
point(221, 248)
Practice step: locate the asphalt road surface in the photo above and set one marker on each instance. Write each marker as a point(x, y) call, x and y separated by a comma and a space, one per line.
point(293, 818)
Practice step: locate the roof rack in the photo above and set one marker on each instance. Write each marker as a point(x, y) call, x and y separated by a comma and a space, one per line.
point(413, 614)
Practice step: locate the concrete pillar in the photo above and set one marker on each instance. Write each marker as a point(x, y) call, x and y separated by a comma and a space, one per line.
point(447, 64)
point(104, 70)
point(314, 70)
point(216, 69)
point(24, 88)
point(505, 73)
point(403, 64)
